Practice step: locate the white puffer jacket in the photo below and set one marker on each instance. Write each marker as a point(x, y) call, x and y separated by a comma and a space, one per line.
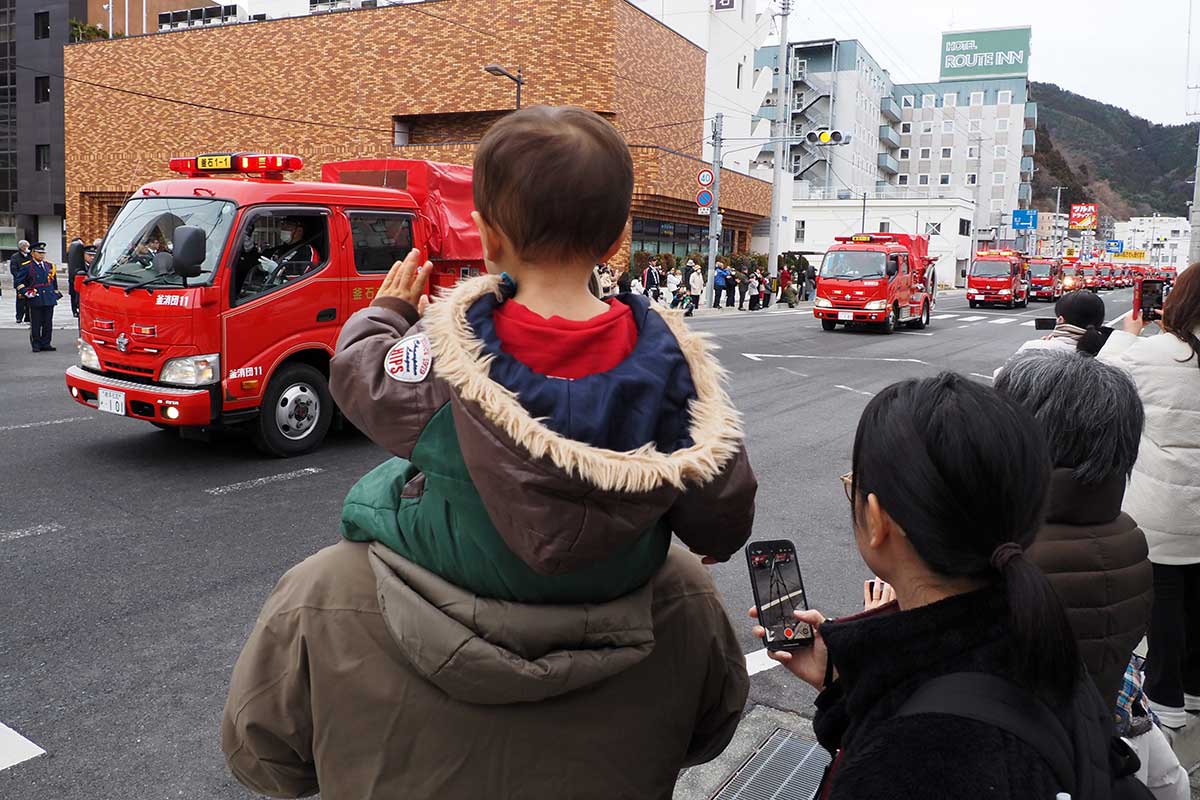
point(1164, 493)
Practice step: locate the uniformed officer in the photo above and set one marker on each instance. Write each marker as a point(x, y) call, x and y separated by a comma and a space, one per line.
point(39, 282)
point(14, 266)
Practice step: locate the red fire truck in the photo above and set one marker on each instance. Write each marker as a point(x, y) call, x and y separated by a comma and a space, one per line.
point(1106, 275)
point(216, 302)
point(880, 278)
point(998, 276)
point(1045, 279)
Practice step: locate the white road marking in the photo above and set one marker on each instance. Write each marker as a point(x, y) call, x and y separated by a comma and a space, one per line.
point(1002, 321)
point(797, 593)
point(856, 391)
point(15, 748)
point(36, 530)
point(960, 327)
point(981, 375)
point(42, 423)
point(944, 316)
point(761, 356)
point(972, 319)
point(1029, 324)
point(759, 661)
point(257, 482)
point(793, 372)
point(1110, 323)
point(914, 333)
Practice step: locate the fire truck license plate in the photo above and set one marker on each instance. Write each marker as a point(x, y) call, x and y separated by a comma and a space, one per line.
point(846, 315)
point(112, 402)
point(214, 162)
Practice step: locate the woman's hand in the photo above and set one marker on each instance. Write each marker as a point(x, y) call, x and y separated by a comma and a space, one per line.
point(407, 280)
point(1134, 322)
point(806, 663)
point(877, 593)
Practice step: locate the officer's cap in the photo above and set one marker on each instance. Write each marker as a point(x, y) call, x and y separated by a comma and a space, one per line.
point(39, 246)
point(90, 250)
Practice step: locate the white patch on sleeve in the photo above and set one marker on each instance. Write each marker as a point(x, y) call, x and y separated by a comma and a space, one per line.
point(409, 359)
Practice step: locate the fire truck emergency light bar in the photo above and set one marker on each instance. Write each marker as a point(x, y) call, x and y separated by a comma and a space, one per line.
point(241, 163)
point(1001, 253)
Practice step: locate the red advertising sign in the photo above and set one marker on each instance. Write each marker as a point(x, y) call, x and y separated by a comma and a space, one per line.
point(1084, 217)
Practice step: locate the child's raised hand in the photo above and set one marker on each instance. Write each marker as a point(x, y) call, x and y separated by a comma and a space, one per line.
point(407, 280)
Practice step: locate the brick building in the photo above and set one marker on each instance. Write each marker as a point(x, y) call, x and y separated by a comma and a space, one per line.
point(397, 81)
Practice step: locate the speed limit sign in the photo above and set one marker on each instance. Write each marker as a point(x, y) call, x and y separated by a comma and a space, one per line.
point(705, 178)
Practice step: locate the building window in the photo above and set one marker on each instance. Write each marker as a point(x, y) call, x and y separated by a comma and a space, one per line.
point(950, 100)
point(1002, 124)
point(401, 133)
point(947, 152)
point(944, 179)
point(1004, 98)
point(976, 98)
point(739, 76)
point(922, 180)
point(926, 127)
point(885, 227)
point(902, 180)
point(799, 230)
point(929, 101)
point(1001, 151)
point(973, 151)
point(907, 101)
point(41, 89)
point(905, 154)
point(972, 178)
point(964, 227)
point(41, 25)
point(933, 229)
point(947, 126)
point(906, 127)
point(41, 157)
point(997, 179)
point(926, 153)
point(975, 126)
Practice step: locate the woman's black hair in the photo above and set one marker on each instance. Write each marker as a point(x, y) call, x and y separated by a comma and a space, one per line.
point(964, 470)
point(1084, 309)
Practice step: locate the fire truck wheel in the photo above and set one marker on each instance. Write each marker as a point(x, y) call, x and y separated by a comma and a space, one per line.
point(974, 304)
point(296, 412)
point(828, 324)
point(920, 322)
point(893, 320)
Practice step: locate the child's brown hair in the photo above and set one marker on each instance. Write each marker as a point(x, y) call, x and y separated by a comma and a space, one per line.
point(556, 180)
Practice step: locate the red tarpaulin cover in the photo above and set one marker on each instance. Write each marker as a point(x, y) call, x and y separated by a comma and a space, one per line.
point(442, 193)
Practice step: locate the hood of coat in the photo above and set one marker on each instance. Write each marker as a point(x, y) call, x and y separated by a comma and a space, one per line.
point(493, 652)
point(598, 460)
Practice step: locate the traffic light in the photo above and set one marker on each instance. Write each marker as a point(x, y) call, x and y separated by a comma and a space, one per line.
point(825, 137)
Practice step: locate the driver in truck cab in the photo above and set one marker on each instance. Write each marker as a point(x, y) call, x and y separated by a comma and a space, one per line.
point(513, 563)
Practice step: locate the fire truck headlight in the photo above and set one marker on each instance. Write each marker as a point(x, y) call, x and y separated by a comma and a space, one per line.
point(876, 305)
point(192, 370)
point(823, 302)
point(87, 355)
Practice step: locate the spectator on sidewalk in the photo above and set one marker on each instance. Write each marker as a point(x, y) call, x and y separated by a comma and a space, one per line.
point(742, 278)
point(674, 281)
point(1094, 554)
point(696, 286)
point(652, 280)
point(720, 279)
point(507, 617)
point(947, 527)
point(14, 266)
point(785, 280)
point(810, 284)
point(1164, 491)
point(625, 282)
point(752, 286)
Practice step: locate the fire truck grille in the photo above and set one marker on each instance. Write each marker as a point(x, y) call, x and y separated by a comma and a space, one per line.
point(131, 369)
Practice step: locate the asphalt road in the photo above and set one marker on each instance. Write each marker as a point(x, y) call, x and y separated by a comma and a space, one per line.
point(131, 573)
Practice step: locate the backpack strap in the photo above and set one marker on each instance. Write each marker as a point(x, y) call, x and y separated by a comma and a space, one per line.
point(1002, 704)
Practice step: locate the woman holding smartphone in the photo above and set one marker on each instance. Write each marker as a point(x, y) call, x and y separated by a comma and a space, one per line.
point(946, 524)
point(1164, 491)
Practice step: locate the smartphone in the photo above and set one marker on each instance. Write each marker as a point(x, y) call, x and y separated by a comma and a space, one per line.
point(778, 593)
point(1148, 299)
point(1045, 323)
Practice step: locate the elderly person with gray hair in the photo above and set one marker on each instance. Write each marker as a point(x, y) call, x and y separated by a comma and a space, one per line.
point(1094, 555)
point(14, 265)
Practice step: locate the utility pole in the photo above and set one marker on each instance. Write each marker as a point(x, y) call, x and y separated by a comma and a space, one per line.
point(714, 217)
point(975, 220)
point(1058, 190)
point(1194, 246)
point(780, 129)
point(863, 229)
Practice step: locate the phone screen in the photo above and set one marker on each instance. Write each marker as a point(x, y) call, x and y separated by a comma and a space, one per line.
point(1150, 297)
point(1045, 323)
point(778, 593)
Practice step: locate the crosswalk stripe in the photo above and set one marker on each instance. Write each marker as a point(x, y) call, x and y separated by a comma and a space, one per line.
point(1002, 321)
point(1029, 324)
point(971, 319)
point(15, 748)
point(944, 316)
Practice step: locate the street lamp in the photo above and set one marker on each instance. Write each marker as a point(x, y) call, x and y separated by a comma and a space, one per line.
point(496, 69)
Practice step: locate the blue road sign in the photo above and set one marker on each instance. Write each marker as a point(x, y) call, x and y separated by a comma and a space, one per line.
point(1024, 219)
point(1114, 246)
point(704, 198)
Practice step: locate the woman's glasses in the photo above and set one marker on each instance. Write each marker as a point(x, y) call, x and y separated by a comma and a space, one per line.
point(848, 485)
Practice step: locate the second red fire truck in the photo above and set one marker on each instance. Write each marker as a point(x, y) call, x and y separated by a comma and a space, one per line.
point(882, 279)
point(998, 277)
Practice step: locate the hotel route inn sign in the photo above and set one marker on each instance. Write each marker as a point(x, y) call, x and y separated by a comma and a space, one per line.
point(995, 53)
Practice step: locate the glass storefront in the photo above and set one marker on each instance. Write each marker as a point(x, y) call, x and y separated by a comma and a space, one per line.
point(658, 236)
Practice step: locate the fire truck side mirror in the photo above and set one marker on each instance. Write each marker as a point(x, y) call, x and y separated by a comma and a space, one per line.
point(188, 250)
point(893, 266)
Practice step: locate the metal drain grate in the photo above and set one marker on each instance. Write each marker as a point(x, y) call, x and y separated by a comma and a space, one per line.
point(787, 766)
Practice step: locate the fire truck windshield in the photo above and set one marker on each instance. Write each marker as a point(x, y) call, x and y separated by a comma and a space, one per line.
point(146, 226)
point(991, 268)
point(1039, 270)
point(852, 265)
